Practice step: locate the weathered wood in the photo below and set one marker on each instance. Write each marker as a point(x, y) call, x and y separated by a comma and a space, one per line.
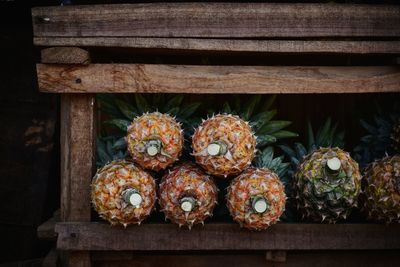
point(231, 20)
point(51, 259)
point(255, 259)
point(77, 156)
point(113, 78)
point(46, 230)
point(229, 45)
point(168, 237)
point(78, 259)
point(65, 55)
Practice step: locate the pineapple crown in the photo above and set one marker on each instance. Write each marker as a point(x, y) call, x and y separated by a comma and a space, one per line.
point(257, 111)
point(382, 138)
point(110, 148)
point(266, 159)
point(327, 136)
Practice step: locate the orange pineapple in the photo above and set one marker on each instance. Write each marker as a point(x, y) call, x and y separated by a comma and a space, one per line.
point(155, 140)
point(123, 193)
point(224, 145)
point(187, 195)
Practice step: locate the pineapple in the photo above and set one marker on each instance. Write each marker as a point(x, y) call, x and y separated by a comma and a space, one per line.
point(224, 145)
point(319, 192)
point(327, 183)
point(383, 137)
point(187, 195)
point(155, 140)
point(256, 198)
point(381, 190)
point(123, 193)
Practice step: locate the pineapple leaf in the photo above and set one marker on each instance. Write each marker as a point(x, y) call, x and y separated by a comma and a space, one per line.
point(284, 134)
point(188, 110)
point(273, 126)
point(261, 119)
point(126, 109)
point(310, 135)
point(251, 104)
point(227, 108)
point(263, 140)
point(268, 104)
point(141, 103)
point(174, 102)
point(119, 144)
point(323, 133)
point(120, 124)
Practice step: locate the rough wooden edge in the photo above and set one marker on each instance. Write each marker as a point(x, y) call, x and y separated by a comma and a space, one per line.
point(168, 237)
point(228, 45)
point(218, 20)
point(46, 231)
point(133, 78)
point(65, 55)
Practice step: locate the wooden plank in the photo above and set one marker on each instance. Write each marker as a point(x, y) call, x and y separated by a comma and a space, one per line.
point(77, 155)
point(46, 231)
point(168, 237)
point(132, 78)
point(255, 259)
point(205, 20)
point(65, 55)
point(51, 259)
point(228, 45)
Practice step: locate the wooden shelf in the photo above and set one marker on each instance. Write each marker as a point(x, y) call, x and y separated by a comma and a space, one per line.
point(223, 27)
point(219, 236)
point(133, 78)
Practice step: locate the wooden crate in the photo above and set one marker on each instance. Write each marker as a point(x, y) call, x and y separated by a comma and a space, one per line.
point(281, 29)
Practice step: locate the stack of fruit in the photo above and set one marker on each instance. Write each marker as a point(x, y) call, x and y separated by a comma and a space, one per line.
point(323, 183)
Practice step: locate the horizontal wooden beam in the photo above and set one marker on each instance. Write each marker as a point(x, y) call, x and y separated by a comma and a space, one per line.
point(168, 237)
point(217, 20)
point(132, 78)
point(228, 45)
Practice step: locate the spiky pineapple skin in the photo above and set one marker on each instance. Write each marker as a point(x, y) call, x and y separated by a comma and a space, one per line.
point(236, 134)
point(381, 190)
point(321, 198)
point(256, 182)
point(159, 126)
point(107, 186)
point(183, 180)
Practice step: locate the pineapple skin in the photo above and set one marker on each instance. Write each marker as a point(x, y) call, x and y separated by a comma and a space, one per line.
point(187, 180)
point(107, 186)
point(236, 134)
point(381, 190)
point(256, 182)
point(158, 126)
point(324, 198)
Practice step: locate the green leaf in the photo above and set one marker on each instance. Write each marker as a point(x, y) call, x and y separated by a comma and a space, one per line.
point(174, 102)
point(119, 144)
point(250, 106)
point(126, 109)
point(227, 108)
point(141, 103)
point(323, 132)
point(118, 123)
point(259, 120)
point(310, 135)
point(188, 110)
point(273, 126)
point(173, 111)
point(268, 104)
point(263, 140)
point(284, 134)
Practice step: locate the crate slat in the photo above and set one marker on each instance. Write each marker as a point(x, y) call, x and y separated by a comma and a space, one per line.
point(168, 237)
point(132, 78)
point(218, 20)
point(228, 45)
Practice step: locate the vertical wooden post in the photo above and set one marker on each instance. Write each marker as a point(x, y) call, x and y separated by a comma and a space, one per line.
point(78, 121)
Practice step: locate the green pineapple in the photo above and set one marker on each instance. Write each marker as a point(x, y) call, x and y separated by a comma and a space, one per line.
point(326, 180)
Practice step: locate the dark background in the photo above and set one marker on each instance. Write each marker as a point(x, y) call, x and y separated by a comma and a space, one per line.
point(29, 125)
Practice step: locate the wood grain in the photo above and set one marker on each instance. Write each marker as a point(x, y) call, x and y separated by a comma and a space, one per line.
point(46, 231)
point(168, 237)
point(77, 155)
point(228, 45)
point(253, 259)
point(205, 20)
point(65, 55)
point(132, 78)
